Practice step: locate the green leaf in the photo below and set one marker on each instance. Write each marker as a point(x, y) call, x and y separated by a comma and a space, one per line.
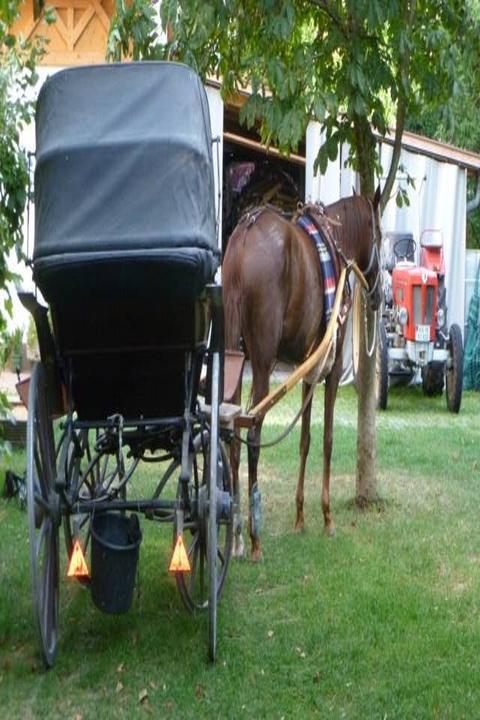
point(319, 108)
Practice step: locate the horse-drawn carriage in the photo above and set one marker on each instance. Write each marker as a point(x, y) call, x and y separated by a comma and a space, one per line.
point(125, 256)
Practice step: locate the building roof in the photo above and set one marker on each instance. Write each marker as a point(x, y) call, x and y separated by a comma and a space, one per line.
point(437, 150)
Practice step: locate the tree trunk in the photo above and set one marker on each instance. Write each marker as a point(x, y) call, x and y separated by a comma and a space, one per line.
point(366, 475)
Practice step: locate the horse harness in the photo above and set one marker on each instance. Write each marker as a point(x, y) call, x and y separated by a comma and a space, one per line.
point(311, 218)
point(325, 225)
point(314, 214)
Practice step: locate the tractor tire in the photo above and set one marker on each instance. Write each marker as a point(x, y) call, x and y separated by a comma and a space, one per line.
point(454, 370)
point(382, 368)
point(433, 378)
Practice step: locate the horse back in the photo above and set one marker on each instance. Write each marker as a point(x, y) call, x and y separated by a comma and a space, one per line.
point(272, 289)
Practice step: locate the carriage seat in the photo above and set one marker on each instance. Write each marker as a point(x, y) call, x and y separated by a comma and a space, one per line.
point(123, 322)
point(174, 273)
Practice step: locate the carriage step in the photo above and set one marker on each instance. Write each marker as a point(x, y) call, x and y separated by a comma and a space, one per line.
point(227, 413)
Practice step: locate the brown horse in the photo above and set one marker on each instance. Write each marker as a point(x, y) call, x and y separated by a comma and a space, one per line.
point(274, 300)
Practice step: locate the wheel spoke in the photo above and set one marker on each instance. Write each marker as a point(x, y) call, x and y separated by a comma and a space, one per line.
point(202, 572)
point(39, 477)
point(194, 564)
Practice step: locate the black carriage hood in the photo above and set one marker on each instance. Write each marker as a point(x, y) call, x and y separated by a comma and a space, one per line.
point(124, 162)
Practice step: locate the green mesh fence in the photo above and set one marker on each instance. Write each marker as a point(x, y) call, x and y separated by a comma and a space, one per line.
point(471, 362)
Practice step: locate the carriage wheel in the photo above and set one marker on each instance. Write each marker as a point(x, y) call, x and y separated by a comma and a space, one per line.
point(454, 369)
point(43, 515)
point(91, 475)
point(194, 586)
point(381, 368)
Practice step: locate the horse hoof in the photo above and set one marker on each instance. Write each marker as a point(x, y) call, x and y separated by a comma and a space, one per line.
point(238, 551)
point(330, 530)
point(299, 528)
point(256, 556)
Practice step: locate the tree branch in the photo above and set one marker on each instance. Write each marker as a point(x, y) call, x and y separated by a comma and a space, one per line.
point(323, 5)
point(402, 82)
point(397, 149)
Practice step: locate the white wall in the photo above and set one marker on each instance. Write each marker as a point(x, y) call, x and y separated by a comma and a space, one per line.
point(215, 104)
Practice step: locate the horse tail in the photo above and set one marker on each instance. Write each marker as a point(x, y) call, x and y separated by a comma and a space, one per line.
point(232, 288)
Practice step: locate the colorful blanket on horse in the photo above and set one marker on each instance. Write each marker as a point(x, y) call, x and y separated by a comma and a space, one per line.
point(327, 266)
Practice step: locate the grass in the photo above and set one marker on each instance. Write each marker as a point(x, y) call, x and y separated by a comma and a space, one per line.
point(382, 621)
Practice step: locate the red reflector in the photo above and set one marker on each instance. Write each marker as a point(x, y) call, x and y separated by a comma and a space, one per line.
point(77, 566)
point(179, 561)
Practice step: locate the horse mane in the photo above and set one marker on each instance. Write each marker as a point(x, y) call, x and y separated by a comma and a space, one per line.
point(351, 213)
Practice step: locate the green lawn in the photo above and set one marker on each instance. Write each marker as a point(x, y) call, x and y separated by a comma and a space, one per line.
point(381, 621)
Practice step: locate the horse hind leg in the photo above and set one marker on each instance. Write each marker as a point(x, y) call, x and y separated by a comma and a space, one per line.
point(254, 438)
point(254, 497)
point(238, 544)
point(235, 451)
point(304, 449)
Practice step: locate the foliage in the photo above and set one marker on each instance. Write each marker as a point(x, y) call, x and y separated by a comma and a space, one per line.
point(456, 121)
point(346, 63)
point(133, 31)
point(18, 59)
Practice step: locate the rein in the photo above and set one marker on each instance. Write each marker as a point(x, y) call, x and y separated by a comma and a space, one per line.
point(374, 255)
point(287, 430)
point(369, 291)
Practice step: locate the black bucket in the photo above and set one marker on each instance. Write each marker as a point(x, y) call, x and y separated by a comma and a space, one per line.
point(116, 540)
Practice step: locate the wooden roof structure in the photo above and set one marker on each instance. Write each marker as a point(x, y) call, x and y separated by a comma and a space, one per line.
point(79, 35)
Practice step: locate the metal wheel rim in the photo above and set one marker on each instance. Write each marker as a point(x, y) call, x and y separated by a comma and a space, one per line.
point(42, 517)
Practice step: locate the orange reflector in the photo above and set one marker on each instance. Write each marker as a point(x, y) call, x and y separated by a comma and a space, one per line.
point(77, 566)
point(179, 561)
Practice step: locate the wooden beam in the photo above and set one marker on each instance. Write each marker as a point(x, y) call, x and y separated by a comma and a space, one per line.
point(82, 23)
point(102, 15)
point(255, 145)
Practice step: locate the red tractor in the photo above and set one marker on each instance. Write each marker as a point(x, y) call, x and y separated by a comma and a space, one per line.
point(414, 335)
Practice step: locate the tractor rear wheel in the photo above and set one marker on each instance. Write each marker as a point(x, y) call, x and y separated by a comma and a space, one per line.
point(382, 368)
point(454, 369)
